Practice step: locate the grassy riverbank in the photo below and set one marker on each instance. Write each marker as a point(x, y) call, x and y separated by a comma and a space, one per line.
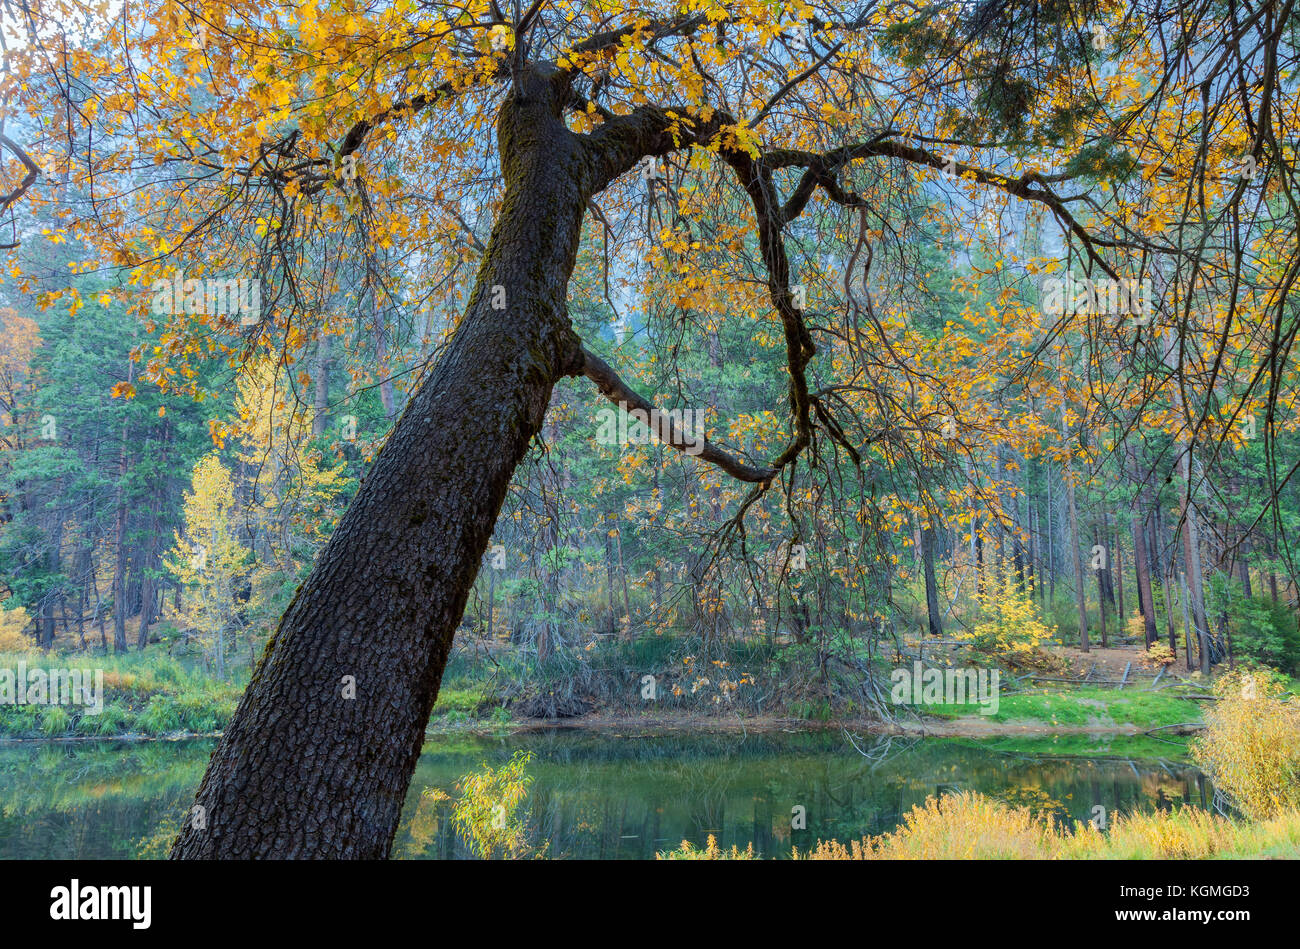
point(1082, 706)
point(152, 694)
point(144, 694)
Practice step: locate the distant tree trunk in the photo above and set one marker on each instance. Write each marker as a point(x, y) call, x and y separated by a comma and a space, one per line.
point(1035, 574)
point(371, 295)
point(1075, 543)
point(657, 577)
point(1142, 568)
point(321, 400)
point(1051, 542)
point(1192, 551)
point(53, 523)
point(81, 569)
point(931, 587)
point(45, 621)
point(1017, 548)
point(1103, 580)
point(99, 607)
point(147, 600)
point(492, 597)
point(1119, 577)
point(553, 489)
point(1101, 537)
point(1170, 626)
point(1243, 562)
point(611, 577)
point(622, 572)
point(149, 551)
point(221, 652)
point(120, 554)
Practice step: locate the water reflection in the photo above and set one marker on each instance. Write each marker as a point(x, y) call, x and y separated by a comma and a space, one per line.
point(598, 795)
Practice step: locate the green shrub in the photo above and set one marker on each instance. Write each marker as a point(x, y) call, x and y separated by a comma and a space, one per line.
point(159, 717)
point(1263, 632)
point(55, 721)
point(20, 721)
point(817, 710)
point(111, 721)
point(465, 701)
point(201, 714)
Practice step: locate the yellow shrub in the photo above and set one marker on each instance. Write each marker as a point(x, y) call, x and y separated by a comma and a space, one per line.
point(1009, 624)
point(491, 811)
point(12, 624)
point(964, 826)
point(710, 851)
point(1157, 656)
point(1251, 744)
point(116, 679)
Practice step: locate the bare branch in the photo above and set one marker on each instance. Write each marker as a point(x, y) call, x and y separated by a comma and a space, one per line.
point(621, 394)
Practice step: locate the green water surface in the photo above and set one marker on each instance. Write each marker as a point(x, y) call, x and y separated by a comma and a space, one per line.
point(603, 795)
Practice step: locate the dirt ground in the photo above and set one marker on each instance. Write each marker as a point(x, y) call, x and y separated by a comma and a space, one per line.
point(1109, 663)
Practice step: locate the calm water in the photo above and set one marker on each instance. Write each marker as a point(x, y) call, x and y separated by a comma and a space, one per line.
point(599, 795)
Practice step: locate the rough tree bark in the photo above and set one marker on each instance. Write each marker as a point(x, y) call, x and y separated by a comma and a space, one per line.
point(304, 770)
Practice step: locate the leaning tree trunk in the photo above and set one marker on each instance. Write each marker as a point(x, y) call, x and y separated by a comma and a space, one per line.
point(317, 760)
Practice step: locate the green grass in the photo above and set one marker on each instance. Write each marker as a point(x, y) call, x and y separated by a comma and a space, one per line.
point(1132, 747)
point(55, 721)
point(147, 693)
point(1081, 708)
point(153, 694)
point(465, 701)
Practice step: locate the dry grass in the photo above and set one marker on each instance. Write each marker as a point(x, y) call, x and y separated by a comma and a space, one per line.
point(953, 827)
point(710, 851)
point(973, 827)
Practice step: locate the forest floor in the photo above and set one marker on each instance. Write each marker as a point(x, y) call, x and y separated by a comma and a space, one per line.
point(1111, 662)
point(1076, 695)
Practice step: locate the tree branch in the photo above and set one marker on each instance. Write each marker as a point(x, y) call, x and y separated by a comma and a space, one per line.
point(617, 391)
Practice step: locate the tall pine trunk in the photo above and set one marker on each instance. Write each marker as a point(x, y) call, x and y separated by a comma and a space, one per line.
point(931, 586)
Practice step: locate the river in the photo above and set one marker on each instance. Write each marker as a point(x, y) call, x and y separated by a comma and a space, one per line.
point(604, 795)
